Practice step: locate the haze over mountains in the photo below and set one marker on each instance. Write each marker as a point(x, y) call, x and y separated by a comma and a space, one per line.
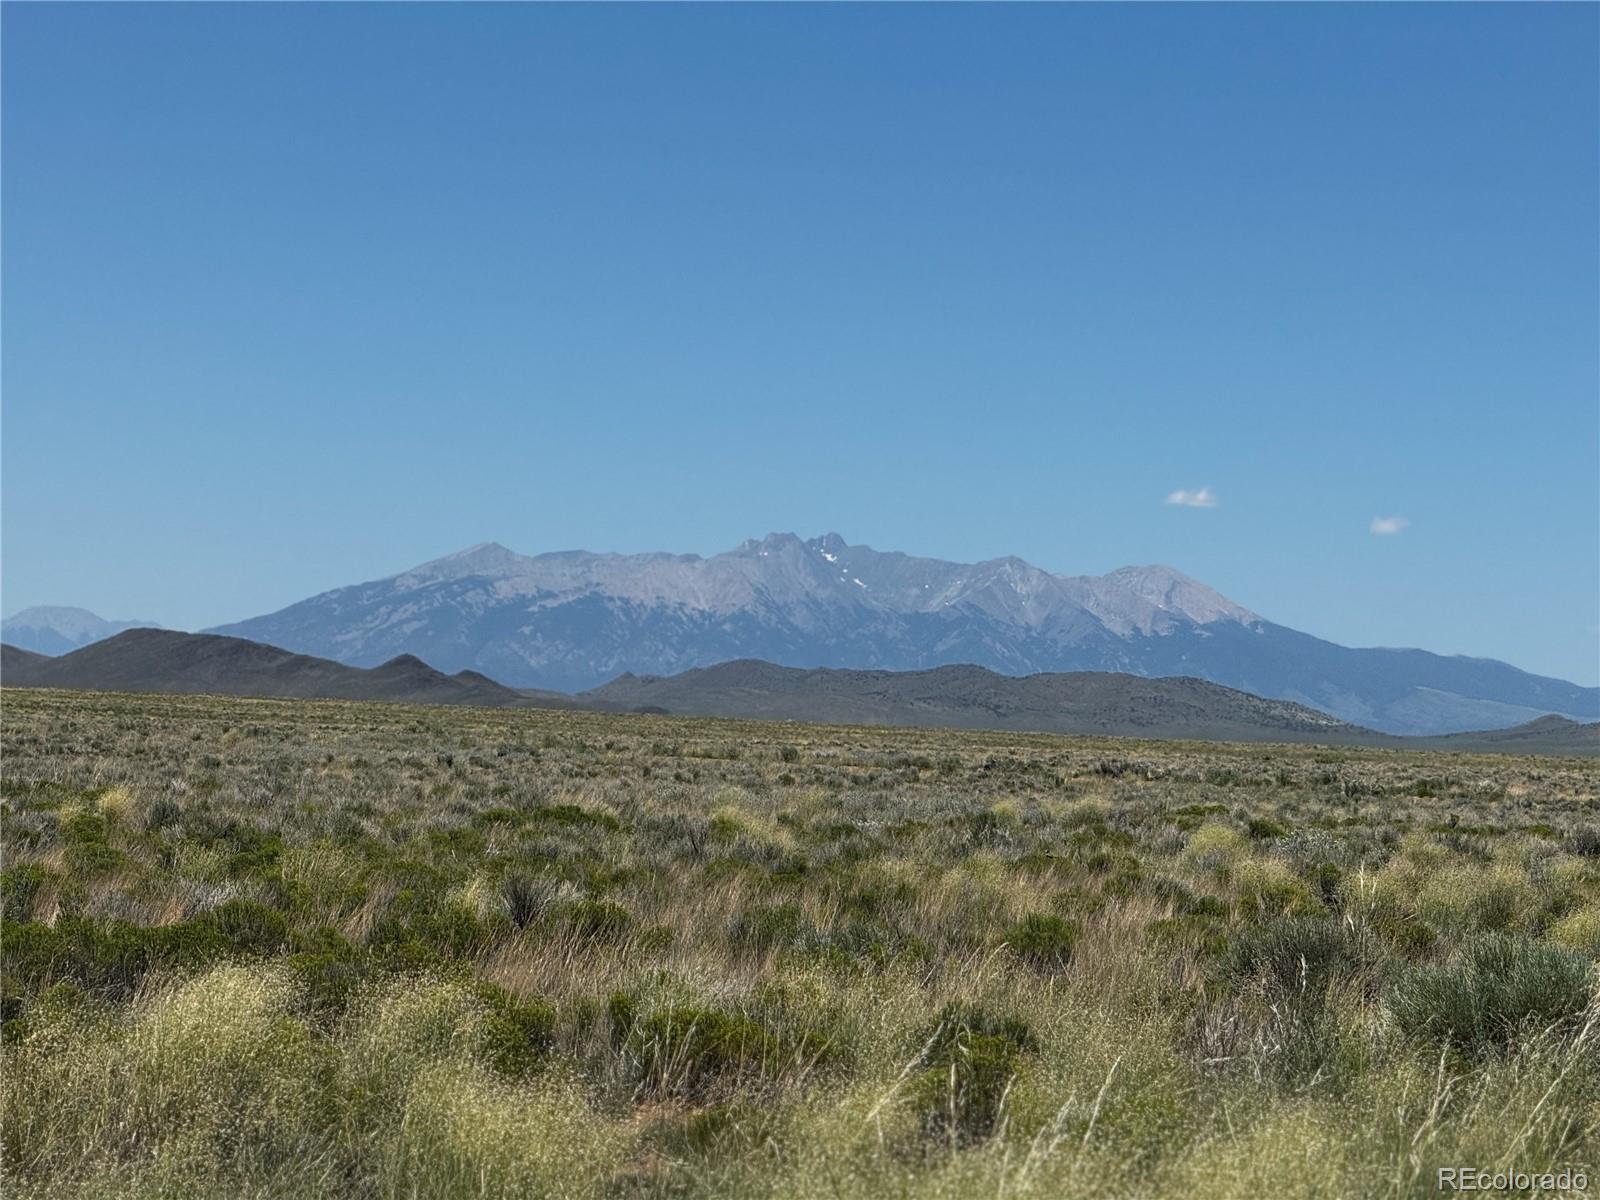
point(571, 621)
point(51, 629)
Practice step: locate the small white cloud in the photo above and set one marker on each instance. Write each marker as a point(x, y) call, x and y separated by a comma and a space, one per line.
point(1200, 498)
point(1388, 526)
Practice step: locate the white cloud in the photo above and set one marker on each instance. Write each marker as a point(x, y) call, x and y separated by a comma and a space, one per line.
point(1200, 498)
point(1388, 526)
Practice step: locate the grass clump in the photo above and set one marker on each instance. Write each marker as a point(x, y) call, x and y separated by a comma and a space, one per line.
point(517, 1033)
point(770, 927)
point(1043, 941)
point(1495, 990)
point(693, 1051)
point(971, 1059)
point(19, 886)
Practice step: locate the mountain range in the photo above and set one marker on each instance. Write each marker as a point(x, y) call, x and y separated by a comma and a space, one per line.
point(573, 620)
point(963, 697)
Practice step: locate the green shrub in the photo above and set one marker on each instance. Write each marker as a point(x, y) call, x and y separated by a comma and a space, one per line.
point(1204, 935)
point(859, 941)
point(254, 852)
point(972, 1056)
point(19, 1012)
point(688, 1051)
point(1585, 842)
point(1497, 988)
point(572, 815)
point(88, 852)
point(516, 1033)
point(329, 971)
point(1264, 829)
point(247, 926)
point(1579, 931)
point(957, 1021)
point(1043, 941)
point(212, 1068)
point(114, 956)
point(18, 887)
point(599, 919)
point(622, 1013)
point(413, 935)
point(1269, 887)
point(162, 812)
point(1298, 958)
point(960, 1100)
point(768, 927)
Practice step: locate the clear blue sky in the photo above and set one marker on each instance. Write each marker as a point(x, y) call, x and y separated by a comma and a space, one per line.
point(300, 295)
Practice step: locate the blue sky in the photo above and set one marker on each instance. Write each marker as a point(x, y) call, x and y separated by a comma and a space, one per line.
point(300, 295)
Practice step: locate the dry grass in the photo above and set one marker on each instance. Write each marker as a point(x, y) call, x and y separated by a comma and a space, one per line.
point(259, 948)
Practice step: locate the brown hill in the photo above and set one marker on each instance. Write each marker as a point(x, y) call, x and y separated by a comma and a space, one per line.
point(155, 660)
point(974, 697)
point(16, 659)
point(1547, 735)
point(961, 697)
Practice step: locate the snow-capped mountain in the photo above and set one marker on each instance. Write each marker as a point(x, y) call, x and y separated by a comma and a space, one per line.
point(573, 620)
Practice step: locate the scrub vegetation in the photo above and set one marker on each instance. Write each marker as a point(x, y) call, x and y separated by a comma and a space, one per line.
point(260, 948)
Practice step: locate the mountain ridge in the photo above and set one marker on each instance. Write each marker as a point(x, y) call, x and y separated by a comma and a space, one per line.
point(58, 629)
point(572, 620)
point(969, 696)
point(961, 696)
point(166, 661)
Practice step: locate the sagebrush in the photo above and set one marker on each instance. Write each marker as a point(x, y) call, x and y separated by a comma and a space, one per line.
point(262, 948)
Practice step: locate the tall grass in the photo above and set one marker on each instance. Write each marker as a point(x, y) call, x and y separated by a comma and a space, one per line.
point(255, 948)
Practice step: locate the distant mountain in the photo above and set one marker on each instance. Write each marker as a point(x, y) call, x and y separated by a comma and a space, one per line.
point(572, 620)
point(970, 697)
point(1083, 702)
point(964, 697)
point(153, 660)
point(56, 630)
point(1547, 735)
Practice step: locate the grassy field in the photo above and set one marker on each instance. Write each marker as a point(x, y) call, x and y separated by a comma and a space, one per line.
point(307, 949)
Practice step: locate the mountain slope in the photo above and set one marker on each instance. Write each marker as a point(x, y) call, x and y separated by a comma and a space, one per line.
point(965, 697)
point(1547, 735)
point(968, 697)
point(572, 620)
point(59, 630)
point(15, 661)
point(973, 697)
point(151, 660)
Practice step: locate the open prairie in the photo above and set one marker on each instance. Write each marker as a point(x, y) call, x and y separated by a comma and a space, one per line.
point(307, 948)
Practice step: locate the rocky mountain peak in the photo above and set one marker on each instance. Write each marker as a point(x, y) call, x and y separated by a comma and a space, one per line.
point(486, 558)
point(572, 620)
point(1172, 591)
